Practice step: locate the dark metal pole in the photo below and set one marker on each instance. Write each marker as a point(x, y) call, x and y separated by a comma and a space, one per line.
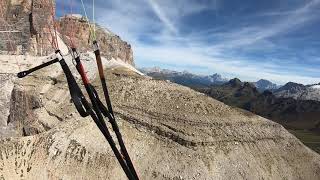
point(108, 101)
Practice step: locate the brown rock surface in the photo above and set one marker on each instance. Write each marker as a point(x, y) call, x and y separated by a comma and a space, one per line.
point(25, 28)
point(111, 45)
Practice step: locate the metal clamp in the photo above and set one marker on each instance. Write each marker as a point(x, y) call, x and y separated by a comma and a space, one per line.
point(59, 55)
point(95, 46)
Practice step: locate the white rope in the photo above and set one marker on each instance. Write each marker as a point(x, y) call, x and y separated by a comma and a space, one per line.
point(86, 15)
point(94, 22)
point(84, 9)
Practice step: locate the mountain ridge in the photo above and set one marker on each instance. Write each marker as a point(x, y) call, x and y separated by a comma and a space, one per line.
point(184, 77)
point(27, 23)
point(289, 90)
point(299, 91)
point(292, 113)
point(264, 84)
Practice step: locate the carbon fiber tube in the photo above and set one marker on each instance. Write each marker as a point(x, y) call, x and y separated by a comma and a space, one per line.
point(113, 122)
point(27, 72)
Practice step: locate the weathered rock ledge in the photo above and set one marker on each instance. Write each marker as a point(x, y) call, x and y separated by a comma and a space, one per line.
point(171, 132)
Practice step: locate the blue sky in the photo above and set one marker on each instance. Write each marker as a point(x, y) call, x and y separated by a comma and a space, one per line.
point(249, 39)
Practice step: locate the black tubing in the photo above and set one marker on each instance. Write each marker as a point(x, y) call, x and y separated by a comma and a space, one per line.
point(84, 109)
point(103, 128)
point(113, 122)
point(102, 79)
point(25, 73)
point(77, 96)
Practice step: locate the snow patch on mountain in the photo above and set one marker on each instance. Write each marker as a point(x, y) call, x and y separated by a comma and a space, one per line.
point(299, 91)
point(263, 85)
point(185, 77)
point(316, 87)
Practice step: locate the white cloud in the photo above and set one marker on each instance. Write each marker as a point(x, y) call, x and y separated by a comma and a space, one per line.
point(162, 16)
point(230, 68)
point(160, 21)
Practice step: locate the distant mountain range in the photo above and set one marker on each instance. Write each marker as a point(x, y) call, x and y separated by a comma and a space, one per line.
point(193, 80)
point(299, 91)
point(292, 113)
point(184, 78)
point(289, 90)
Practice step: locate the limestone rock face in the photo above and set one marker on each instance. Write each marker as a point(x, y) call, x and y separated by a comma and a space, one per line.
point(22, 115)
point(171, 132)
point(24, 26)
point(27, 26)
point(77, 28)
point(6, 87)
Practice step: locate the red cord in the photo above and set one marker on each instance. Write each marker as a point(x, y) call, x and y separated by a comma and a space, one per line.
point(83, 74)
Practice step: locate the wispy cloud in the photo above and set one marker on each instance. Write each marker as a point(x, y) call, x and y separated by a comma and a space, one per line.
point(162, 16)
point(205, 36)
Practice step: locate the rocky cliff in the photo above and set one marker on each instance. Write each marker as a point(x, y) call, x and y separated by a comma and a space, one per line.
point(25, 26)
point(25, 29)
point(111, 45)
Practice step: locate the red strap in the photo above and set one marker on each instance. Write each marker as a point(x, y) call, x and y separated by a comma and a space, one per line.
point(83, 74)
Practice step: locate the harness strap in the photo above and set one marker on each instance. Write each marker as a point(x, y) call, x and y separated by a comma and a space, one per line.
point(77, 96)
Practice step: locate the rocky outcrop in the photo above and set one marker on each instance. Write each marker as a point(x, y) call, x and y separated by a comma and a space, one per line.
point(177, 134)
point(26, 26)
point(22, 116)
point(6, 87)
point(76, 28)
